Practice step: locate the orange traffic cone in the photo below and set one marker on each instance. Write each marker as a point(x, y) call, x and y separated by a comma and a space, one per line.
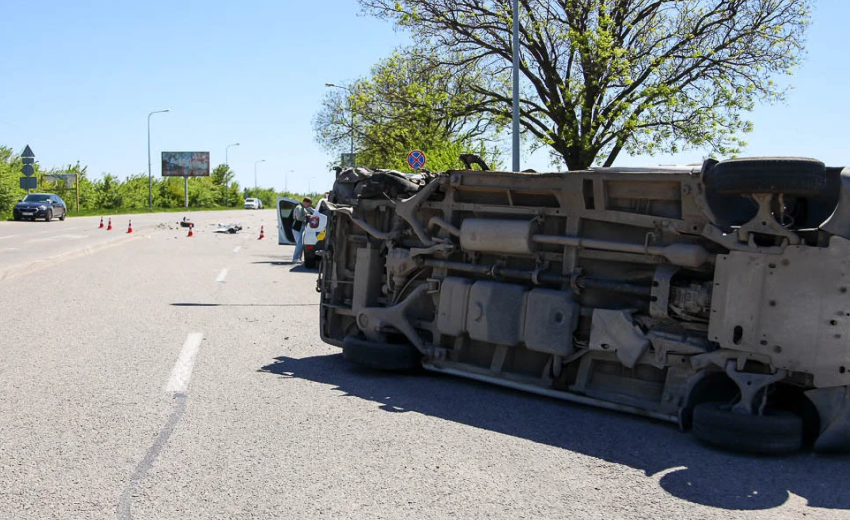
point(191, 233)
point(101, 223)
point(130, 227)
point(262, 234)
point(109, 227)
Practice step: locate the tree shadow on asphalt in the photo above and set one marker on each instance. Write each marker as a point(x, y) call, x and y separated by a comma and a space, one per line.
point(682, 467)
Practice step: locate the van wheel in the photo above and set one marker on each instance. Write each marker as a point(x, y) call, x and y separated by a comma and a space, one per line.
point(793, 176)
point(389, 357)
point(775, 433)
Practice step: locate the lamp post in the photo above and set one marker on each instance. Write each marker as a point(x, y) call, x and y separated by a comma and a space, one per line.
point(255, 175)
point(227, 163)
point(351, 149)
point(150, 179)
point(515, 117)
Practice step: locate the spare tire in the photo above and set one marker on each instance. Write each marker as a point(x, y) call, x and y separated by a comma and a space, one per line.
point(390, 357)
point(789, 175)
point(776, 432)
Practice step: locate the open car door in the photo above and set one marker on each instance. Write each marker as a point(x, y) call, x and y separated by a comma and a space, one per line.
point(284, 220)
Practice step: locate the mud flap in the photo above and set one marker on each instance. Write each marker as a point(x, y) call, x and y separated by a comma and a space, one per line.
point(833, 405)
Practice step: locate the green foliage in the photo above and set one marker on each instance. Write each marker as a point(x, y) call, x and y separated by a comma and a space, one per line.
point(602, 76)
point(10, 172)
point(112, 194)
point(409, 102)
point(134, 192)
point(108, 192)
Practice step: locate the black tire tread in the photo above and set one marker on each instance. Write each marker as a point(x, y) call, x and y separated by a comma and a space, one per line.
point(796, 176)
point(381, 356)
point(776, 433)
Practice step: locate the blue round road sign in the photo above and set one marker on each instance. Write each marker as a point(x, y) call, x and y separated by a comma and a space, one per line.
point(416, 160)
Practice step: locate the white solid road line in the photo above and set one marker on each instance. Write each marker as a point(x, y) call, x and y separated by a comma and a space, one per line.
point(221, 276)
point(182, 371)
point(236, 249)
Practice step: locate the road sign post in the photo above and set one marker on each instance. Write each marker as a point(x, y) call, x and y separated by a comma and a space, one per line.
point(28, 182)
point(416, 159)
point(347, 160)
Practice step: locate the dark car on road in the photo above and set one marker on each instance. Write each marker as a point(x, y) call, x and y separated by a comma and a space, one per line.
point(40, 205)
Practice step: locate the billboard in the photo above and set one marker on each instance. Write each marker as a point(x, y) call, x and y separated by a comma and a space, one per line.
point(185, 164)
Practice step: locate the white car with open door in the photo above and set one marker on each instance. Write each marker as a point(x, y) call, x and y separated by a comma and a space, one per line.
point(314, 235)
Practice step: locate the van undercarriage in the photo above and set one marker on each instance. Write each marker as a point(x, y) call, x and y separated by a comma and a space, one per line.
point(715, 297)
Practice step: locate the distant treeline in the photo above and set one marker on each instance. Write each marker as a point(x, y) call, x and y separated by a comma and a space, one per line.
point(112, 193)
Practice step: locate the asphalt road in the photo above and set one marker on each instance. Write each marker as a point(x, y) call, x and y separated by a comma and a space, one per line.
point(155, 376)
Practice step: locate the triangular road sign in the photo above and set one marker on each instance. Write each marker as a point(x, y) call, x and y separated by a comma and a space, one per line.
point(28, 152)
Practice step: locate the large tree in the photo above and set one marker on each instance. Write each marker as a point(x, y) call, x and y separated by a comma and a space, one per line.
point(409, 101)
point(603, 76)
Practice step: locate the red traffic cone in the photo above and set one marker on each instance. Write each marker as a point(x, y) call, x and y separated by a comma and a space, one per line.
point(262, 234)
point(109, 227)
point(130, 227)
point(101, 223)
point(191, 233)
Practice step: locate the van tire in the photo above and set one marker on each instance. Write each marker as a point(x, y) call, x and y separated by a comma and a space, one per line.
point(389, 357)
point(778, 432)
point(795, 176)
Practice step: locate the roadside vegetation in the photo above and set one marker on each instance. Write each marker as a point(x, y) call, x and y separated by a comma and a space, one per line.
point(597, 78)
point(109, 194)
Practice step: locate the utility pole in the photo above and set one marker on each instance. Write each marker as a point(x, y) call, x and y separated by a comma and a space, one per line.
point(515, 122)
point(255, 175)
point(150, 179)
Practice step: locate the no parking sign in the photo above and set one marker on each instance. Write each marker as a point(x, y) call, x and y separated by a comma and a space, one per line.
point(416, 159)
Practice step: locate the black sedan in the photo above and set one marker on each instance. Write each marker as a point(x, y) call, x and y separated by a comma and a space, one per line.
point(40, 205)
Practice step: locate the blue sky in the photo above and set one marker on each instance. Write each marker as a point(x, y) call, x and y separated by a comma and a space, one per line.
point(81, 77)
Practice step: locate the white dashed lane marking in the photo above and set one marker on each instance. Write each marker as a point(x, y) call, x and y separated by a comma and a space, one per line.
point(236, 249)
point(221, 276)
point(182, 372)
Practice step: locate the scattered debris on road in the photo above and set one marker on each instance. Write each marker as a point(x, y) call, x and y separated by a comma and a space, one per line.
point(231, 228)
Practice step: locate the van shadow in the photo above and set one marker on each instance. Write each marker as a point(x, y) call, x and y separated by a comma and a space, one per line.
point(681, 466)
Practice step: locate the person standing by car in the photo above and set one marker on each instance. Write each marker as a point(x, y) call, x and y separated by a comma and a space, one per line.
point(299, 223)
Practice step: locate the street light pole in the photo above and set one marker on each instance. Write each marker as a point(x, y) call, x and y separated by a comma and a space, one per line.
point(351, 133)
point(515, 122)
point(150, 179)
point(255, 175)
point(227, 163)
